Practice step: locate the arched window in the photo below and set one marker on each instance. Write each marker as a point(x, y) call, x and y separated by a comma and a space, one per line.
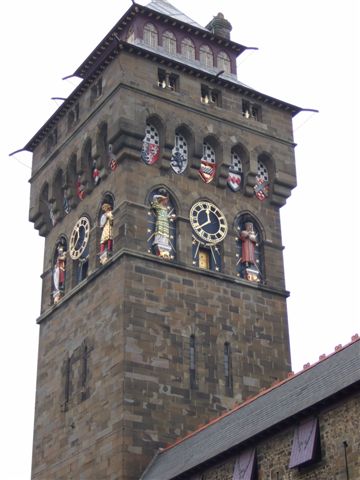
point(150, 152)
point(223, 62)
point(188, 49)
point(192, 361)
point(261, 187)
point(130, 36)
point(208, 164)
point(169, 42)
point(249, 250)
point(235, 172)
point(161, 238)
point(228, 368)
point(206, 56)
point(150, 35)
point(59, 270)
point(179, 154)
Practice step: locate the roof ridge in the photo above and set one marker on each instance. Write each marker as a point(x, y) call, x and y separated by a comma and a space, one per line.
point(291, 375)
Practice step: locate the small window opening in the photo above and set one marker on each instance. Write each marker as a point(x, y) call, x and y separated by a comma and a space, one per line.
point(228, 368)
point(168, 80)
point(52, 139)
point(249, 110)
point(209, 95)
point(73, 116)
point(96, 90)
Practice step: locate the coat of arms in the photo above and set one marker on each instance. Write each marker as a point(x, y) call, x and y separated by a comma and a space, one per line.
point(150, 151)
point(234, 180)
point(261, 189)
point(207, 171)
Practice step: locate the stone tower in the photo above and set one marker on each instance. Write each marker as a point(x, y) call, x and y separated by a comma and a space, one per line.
point(157, 186)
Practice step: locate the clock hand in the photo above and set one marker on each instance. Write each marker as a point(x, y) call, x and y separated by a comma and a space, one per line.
point(208, 218)
point(205, 223)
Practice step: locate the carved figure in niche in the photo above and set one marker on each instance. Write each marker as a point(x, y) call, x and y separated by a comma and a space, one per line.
point(106, 240)
point(59, 271)
point(164, 216)
point(95, 173)
point(80, 191)
point(111, 158)
point(249, 260)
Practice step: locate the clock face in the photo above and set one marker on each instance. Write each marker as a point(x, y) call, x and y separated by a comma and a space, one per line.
point(79, 238)
point(208, 222)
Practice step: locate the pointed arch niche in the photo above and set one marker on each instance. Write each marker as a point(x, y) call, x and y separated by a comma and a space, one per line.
point(105, 222)
point(249, 249)
point(58, 278)
point(183, 142)
point(161, 232)
point(239, 159)
point(262, 186)
point(150, 152)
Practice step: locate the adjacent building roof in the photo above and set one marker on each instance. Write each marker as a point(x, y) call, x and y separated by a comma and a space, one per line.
point(319, 383)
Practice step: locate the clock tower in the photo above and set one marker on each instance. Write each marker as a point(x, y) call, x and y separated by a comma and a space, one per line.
point(157, 186)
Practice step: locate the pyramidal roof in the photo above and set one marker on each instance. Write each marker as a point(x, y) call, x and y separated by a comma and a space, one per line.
point(163, 6)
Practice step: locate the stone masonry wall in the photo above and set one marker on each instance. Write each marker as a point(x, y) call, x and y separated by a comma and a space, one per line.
point(338, 423)
point(113, 373)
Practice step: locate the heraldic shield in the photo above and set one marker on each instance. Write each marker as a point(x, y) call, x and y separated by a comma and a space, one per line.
point(207, 171)
point(261, 189)
point(150, 151)
point(234, 180)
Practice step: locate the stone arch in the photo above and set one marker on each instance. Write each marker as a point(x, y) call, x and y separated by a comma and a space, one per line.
point(45, 220)
point(224, 62)
point(188, 48)
point(105, 227)
point(80, 261)
point(210, 160)
point(239, 165)
point(161, 231)
point(89, 171)
point(58, 189)
point(58, 267)
point(250, 238)
point(183, 149)
point(153, 140)
point(169, 42)
point(206, 55)
point(102, 147)
point(150, 35)
point(72, 183)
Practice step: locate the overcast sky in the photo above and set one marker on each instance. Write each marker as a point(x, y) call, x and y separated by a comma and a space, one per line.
point(308, 56)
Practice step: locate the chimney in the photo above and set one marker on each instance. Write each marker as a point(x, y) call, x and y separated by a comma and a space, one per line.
point(220, 26)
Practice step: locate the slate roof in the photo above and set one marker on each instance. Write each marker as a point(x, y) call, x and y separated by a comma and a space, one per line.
point(317, 383)
point(110, 46)
point(164, 7)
